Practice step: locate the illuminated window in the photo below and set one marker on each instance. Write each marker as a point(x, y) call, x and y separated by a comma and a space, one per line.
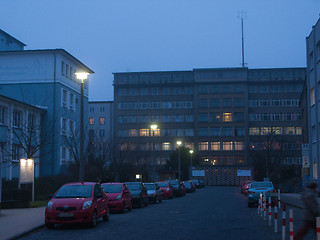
point(189, 145)
point(227, 146)
point(290, 131)
point(102, 120)
point(266, 130)
point(239, 146)
point(254, 131)
point(203, 146)
point(312, 97)
point(226, 117)
point(166, 146)
point(298, 130)
point(91, 121)
point(144, 132)
point(277, 130)
point(155, 132)
point(215, 146)
point(133, 132)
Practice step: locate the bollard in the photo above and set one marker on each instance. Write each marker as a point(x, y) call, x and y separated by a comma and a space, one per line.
point(291, 223)
point(259, 204)
point(279, 198)
point(284, 222)
point(264, 206)
point(275, 218)
point(318, 228)
point(269, 211)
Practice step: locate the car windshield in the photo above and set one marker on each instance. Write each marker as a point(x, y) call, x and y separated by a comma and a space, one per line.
point(134, 186)
point(74, 191)
point(174, 182)
point(261, 184)
point(150, 186)
point(112, 188)
point(162, 184)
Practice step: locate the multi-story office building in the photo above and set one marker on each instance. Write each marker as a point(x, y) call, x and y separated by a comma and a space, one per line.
point(313, 93)
point(101, 128)
point(46, 78)
point(19, 135)
point(223, 114)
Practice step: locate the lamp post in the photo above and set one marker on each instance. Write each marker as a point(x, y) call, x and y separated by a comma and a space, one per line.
point(191, 151)
point(153, 128)
point(81, 76)
point(179, 144)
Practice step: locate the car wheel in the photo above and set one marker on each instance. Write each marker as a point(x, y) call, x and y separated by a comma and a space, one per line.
point(107, 216)
point(94, 220)
point(147, 202)
point(140, 203)
point(130, 207)
point(49, 225)
point(160, 199)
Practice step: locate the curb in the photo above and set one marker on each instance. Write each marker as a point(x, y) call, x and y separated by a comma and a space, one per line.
point(20, 235)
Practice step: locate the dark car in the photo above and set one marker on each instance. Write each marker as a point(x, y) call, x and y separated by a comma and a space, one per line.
point(83, 202)
point(138, 193)
point(189, 186)
point(154, 192)
point(197, 183)
point(166, 189)
point(119, 196)
point(178, 189)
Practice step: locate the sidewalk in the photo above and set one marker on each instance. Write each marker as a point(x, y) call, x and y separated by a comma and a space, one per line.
point(17, 222)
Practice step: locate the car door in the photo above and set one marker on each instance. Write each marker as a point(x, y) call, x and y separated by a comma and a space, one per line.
point(100, 200)
point(127, 195)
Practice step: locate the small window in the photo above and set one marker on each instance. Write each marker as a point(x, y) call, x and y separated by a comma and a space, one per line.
point(102, 121)
point(91, 121)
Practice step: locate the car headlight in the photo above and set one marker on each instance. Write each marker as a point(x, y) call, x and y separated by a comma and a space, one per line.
point(118, 197)
point(86, 205)
point(49, 205)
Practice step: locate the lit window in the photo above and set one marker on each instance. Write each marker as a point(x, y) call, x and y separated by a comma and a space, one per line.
point(133, 132)
point(266, 130)
point(254, 131)
point(144, 132)
point(215, 146)
point(227, 117)
point(277, 130)
point(298, 130)
point(203, 146)
point(166, 146)
point(227, 146)
point(238, 146)
point(102, 121)
point(312, 97)
point(91, 121)
point(290, 131)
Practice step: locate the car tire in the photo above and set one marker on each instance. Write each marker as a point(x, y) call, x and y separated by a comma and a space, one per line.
point(140, 203)
point(147, 202)
point(160, 200)
point(130, 207)
point(49, 225)
point(107, 216)
point(94, 219)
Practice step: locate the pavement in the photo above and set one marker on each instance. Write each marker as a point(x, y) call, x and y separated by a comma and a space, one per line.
point(15, 223)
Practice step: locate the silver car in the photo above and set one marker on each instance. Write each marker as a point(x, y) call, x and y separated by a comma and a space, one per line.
point(257, 188)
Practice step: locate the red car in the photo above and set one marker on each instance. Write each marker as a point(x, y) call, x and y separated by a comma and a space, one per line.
point(166, 189)
point(119, 196)
point(77, 203)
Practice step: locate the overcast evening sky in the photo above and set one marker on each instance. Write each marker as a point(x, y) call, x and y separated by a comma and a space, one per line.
point(163, 35)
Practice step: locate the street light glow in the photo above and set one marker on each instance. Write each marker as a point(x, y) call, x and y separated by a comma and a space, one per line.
point(82, 75)
point(154, 126)
point(191, 151)
point(179, 143)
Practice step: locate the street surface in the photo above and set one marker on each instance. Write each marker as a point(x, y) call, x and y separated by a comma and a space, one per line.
point(219, 213)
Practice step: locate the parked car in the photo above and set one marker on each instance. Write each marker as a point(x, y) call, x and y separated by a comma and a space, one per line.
point(154, 192)
point(167, 190)
point(178, 188)
point(244, 187)
point(256, 188)
point(119, 196)
point(77, 203)
point(202, 182)
point(138, 193)
point(189, 186)
point(197, 183)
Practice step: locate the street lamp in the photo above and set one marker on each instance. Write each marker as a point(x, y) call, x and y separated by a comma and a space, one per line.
point(153, 128)
point(81, 76)
point(179, 144)
point(191, 151)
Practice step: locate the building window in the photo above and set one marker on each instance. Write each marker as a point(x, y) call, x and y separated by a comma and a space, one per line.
point(288, 116)
point(203, 90)
point(264, 89)
point(277, 116)
point(166, 91)
point(203, 103)
point(31, 122)
point(266, 130)
point(291, 130)
point(133, 132)
point(67, 70)
point(177, 104)
point(253, 103)
point(91, 121)
point(91, 134)
point(203, 146)
point(71, 101)
point(15, 152)
point(91, 109)
point(276, 88)
point(239, 131)
point(254, 131)
point(215, 117)
point(3, 115)
point(254, 117)
point(71, 128)
point(215, 132)
point(215, 146)
point(177, 90)
point(226, 117)
point(166, 146)
point(63, 155)
point(227, 131)
point(203, 132)
point(102, 121)
point(215, 103)
point(227, 102)
point(63, 126)
point(227, 146)
point(166, 105)
point(238, 102)
point(64, 98)
point(101, 109)
point(238, 116)
point(155, 91)
point(62, 68)
point(101, 132)
point(238, 146)
point(133, 92)
point(17, 118)
point(276, 102)
point(312, 97)
point(122, 92)
point(189, 132)
point(144, 132)
point(188, 118)
point(265, 116)
point(264, 102)
point(178, 118)
point(188, 104)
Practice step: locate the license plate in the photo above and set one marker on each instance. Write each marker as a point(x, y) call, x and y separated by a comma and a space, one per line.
point(65, 214)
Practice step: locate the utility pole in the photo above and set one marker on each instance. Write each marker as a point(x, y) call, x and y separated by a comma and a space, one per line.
point(242, 15)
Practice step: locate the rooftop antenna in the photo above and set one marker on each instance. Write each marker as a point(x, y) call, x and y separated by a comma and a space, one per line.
point(242, 15)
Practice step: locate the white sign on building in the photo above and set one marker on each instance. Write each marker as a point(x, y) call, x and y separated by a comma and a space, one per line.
point(198, 173)
point(243, 173)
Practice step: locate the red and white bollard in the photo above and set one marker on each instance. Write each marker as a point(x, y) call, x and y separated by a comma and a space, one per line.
point(279, 199)
point(275, 218)
point(284, 222)
point(269, 211)
point(264, 206)
point(259, 204)
point(291, 223)
point(318, 228)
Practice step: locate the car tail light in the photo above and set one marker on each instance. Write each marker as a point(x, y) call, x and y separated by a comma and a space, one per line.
point(251, 192)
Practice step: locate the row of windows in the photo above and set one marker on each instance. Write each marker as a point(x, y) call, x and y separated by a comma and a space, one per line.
point(155, 118)
point(157, 132)
point(68, 100)
point(223, 160)
point(221, 146)
point(17, 118)
point(275, 131)
point(102, 121)
point(275, 145)
point(156, 105)
point(277, 88)
point(217, 103)
point(275, 116)
point(91, 109)
point(92, 133)
point(221, 117)
point(226, 88)
point(67, 127)
point(164, 146)
point(223, 131)
point(274, 103)
point(154, 91)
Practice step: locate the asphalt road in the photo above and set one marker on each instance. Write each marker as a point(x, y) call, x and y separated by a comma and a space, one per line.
point(209, 213)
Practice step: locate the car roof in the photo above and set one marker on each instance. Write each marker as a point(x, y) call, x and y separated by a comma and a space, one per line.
point(112, 183)
point(82, 183)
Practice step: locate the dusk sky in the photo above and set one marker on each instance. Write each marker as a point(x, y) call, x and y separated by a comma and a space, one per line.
point(163, 35)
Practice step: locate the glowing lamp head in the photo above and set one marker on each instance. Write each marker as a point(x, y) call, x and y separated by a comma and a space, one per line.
point(154, 126)
point(179, 143)
point(191, 151)
point(82, 75)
